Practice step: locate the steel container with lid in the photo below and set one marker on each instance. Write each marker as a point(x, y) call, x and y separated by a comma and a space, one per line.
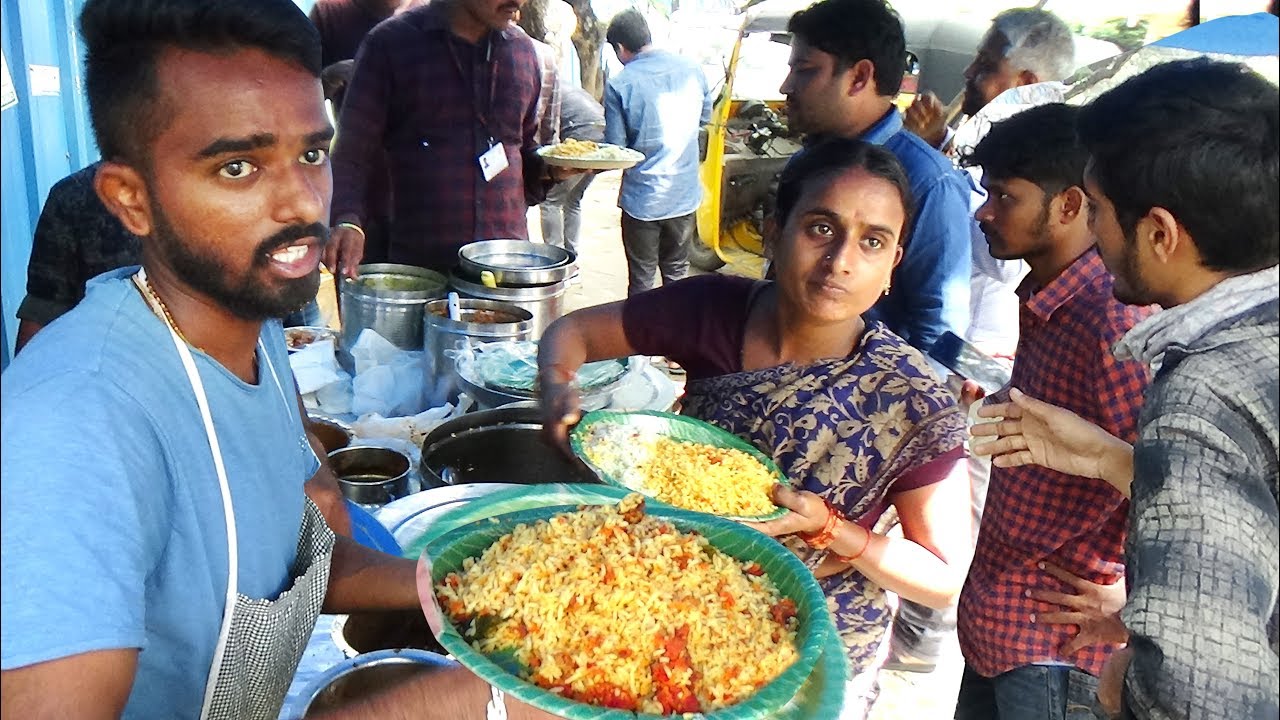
point(389, 299)
point(544, 303)
point(481, 321)
point(516, 263)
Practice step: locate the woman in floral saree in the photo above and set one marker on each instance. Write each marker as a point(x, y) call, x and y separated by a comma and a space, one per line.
point(847, 409)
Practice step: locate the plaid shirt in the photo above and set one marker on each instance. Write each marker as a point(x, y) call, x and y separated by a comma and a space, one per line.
point(1034, 514)
point(434, 101)
point(549, 95)
point(76, 240)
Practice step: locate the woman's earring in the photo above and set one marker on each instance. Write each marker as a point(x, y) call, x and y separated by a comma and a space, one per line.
point(886, 288)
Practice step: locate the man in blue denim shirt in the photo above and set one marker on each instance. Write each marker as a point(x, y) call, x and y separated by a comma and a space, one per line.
point(847, 61)
point(655, 105)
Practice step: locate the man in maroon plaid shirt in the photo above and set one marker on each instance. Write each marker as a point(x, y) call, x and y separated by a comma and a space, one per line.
point(450, 91)
point(1048, 539)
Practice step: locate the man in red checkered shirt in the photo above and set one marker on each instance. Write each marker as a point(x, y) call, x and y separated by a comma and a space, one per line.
point(1039, 523)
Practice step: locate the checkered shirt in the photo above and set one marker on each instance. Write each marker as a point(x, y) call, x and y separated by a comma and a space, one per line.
point(433, 102)
point(1033, 514)
point(76, 239)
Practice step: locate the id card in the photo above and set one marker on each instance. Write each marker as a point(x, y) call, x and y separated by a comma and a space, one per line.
point(493, 161)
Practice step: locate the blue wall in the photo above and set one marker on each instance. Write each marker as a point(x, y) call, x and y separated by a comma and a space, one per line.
point(42, 139)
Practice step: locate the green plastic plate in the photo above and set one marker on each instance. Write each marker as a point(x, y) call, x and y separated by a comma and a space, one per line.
point(446, 553)
point(676, 427)
point(822, 695)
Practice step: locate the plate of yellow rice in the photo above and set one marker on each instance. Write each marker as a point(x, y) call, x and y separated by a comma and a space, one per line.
point(624, 610)
point(680, 461)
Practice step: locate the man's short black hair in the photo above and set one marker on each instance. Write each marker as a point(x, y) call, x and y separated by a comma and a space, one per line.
point(854, 30)
point(124, 39)
point(629, 29)
point(1201, 139)
point(1038, 145)
point(828, 157)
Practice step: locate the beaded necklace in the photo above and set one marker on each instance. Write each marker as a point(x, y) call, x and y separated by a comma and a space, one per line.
point(157, 305)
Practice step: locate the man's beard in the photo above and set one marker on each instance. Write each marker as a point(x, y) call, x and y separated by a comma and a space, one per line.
point(1129, 287)
point(247, 297)
point(973, 100)
point(1000, 251)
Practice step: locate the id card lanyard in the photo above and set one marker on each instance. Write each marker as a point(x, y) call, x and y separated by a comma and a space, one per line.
point(494, 159)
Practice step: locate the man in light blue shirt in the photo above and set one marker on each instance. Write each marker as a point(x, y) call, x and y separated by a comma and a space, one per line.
point(847, 61)
point(655, 105)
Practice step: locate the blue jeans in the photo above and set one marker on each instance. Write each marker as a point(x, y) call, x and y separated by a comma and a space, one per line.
point(1031, 692)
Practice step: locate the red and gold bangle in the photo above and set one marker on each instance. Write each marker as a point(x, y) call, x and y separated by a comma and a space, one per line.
point(848, 559)
point(820, 539)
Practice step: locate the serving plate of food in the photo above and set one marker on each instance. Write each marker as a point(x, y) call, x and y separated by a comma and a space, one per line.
point(300, 336)
point(626, 609)
point(821, 696)
point(680, 461)
point(589, 155)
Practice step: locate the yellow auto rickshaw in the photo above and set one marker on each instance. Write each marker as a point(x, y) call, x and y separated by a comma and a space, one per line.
point(747, 142)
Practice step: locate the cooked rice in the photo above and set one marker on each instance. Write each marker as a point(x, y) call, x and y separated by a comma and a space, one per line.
point(574, 148)
point(591, 600)
point(690, 475)
point(588, 150)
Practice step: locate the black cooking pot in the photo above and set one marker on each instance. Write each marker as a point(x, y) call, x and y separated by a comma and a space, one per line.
point(501, 445)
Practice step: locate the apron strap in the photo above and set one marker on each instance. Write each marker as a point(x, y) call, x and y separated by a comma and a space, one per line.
point(197, 386)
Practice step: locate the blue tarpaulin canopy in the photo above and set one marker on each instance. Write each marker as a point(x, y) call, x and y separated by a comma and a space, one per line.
point(1250, 39)
point(1257, 34)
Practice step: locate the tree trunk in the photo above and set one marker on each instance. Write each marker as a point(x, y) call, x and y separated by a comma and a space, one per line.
point(589, 39)
point(533, 18)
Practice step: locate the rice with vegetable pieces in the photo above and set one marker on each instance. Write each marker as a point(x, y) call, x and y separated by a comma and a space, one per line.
point(695, 476)
point(612, 607)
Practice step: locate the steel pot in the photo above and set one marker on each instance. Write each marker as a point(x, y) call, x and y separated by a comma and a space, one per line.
point(371, 475)
point(372, 301)
point(544, 303)
point(516, 263)
point(366, 632)
point(368, 674)
point(504, 445)
point(444, 337)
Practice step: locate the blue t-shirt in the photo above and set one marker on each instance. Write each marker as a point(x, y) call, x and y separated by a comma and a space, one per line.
point(111, 514)
point(932, 283)
point(657, 105)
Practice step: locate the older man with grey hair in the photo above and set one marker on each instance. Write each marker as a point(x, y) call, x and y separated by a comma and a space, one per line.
point(1023, 46)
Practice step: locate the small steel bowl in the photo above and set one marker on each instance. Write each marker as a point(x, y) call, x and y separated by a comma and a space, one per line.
point(333, 434)
point(371, 475)
point(368, 674)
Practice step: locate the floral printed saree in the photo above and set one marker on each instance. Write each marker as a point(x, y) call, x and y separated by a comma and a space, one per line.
point(845, 429)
